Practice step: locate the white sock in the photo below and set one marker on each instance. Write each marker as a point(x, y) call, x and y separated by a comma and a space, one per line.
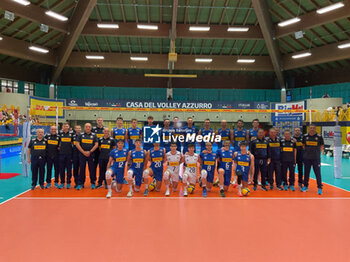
point(109, 187)
point(221, 187)
point(130, 187)
point(167, 187)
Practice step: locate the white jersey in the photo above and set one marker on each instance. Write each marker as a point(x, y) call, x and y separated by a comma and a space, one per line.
point(191, 164)
point(174, 161)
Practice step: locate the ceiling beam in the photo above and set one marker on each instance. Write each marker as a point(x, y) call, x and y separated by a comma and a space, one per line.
point(313, 19)
point(77, 22)
point(158, 61)
point(319, 55)
point(265, 21)
point(18, 48)
point(182, 31)
point(33, 13)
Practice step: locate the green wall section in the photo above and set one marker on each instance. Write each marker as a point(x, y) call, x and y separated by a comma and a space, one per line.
point(333, 90)
point(188, 94)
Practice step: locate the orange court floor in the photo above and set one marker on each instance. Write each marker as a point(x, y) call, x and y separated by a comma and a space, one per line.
point(68, 225)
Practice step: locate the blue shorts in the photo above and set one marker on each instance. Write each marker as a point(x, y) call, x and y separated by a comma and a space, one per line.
point(157, 173)
point(210, 176)
point(245, 177)
point(227, 177)
point(137, 174)
point(118, 173)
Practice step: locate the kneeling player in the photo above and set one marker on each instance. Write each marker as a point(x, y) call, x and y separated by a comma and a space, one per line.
point(244, 167)
point(137, 159)
point(174, 158)
point(208, 162)
point(116, 168)
point(189, 177)
point(225, 158)
point(157, 157)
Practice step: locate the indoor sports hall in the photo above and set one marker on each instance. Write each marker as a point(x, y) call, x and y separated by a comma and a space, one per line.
point(174, 130)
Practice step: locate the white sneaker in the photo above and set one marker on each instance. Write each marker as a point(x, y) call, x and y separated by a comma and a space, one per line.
point(185, 192)
point(259, 183)
point(109, 194)
point(129, 194)
point(167, 193)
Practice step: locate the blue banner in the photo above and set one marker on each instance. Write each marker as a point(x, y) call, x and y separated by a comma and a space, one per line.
point(167, 104)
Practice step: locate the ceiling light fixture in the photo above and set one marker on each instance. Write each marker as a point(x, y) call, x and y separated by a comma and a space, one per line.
point(38, 49)
point(108, 26)
point(95, 57)
point(330, 8)
point(138, 58)
point(200, 28)
point(246, 61)
point(289, 22)
point(342, 46)
point(56, 16)
point(301, 55)
point(22, 2)
point(148, 27)
point(203, 60)
point(237, 29)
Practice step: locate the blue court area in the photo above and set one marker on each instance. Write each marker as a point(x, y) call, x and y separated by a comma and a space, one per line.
point(17, 185)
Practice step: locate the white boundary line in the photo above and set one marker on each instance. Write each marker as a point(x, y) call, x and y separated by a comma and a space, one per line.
point(14, 197)
point(184, 198)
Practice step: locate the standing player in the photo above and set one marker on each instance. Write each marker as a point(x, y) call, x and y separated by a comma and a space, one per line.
point(148, 145)
point(157, 157)
point(178, 131)
point(137, 158)
point(274, 159)
point(244, 166)
point(87, 144)
point(116, 168)
point(65, 156)
point(189, 129)
point(119, 132)
point(288, 155)
point(258, 148)
point(106, 145)
point(207, 166)
point(52, 146)
point(166, 134)
point(133, 134)
point(240, 135)
point(98, 131)
point(253, 132)
point(205, 131)
point(37, 158)
point(313, 146)
point(189, 177)
point(298, 139)
point(77, 131)
point(225, 158)
point(225, 133)
point(175, 159)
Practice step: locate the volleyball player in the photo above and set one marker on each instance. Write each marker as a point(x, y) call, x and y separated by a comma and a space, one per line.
point(189, 129)
point(116, 168)
point(165, 135)
point(240, 135)
point(133, 133)
point(137, 159)
point(225, 159)
point(190, 173)
point(119, 132)
point(207, 166)
point(205, 131)
point(174, 159)
point(157, 157)
point(225, 133)
point(244, 166)
point(253, 132)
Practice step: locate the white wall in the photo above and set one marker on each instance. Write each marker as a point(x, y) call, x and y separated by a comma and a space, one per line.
point(10, 99)
point(323, 103)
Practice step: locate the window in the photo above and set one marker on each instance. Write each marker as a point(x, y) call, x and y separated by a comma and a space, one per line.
point(29, 88)
point(9, 86)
